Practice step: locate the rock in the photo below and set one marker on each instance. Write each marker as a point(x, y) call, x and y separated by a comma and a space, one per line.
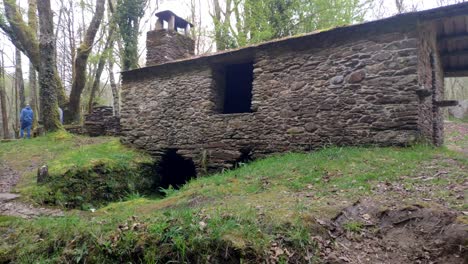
point(357, 76)
point(311, 127)
point(42, 174)
point(382, 56)
point(297, 85)
point(6, 197)
point(337, 79)
point(295, 130)
point(460, 111)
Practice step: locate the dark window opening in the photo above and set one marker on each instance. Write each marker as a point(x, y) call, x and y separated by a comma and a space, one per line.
point(234, 85)
point(175, 170)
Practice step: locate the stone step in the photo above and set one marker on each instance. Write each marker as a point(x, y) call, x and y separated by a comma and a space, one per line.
point(6, 197)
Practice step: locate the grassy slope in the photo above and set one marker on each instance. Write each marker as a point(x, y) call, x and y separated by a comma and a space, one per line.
point(242, 213)
point(62, 151)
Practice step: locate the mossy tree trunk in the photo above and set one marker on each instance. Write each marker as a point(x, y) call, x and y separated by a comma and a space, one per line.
point(32, 23)
point(19, 79)
point(24, 37)
point(128, 14)
point(3, 106)
point(47, 69)
point(82, 55)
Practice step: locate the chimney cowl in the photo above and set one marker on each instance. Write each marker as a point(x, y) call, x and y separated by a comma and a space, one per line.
point(174, 22)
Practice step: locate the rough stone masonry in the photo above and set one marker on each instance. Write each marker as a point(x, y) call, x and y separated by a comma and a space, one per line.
point(370, 84)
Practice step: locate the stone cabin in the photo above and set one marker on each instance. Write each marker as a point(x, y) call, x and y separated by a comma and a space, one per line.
point(376, 83)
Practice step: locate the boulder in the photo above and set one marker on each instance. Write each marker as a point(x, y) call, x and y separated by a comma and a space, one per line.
point(460, 111)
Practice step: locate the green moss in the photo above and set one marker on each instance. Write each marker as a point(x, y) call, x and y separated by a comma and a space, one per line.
point(96, 184)
point(84, 172)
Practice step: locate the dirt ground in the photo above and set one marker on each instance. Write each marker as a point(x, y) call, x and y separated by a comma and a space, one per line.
point(371, 231)
point(414, 220)
point(8, 204)
point(456, 136)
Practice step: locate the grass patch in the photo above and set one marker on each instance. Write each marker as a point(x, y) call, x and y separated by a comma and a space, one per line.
point(84, 172)
point(353, 226)
point(261, 210)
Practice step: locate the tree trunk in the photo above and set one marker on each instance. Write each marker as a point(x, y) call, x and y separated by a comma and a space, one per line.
point(19, 79)
point(24, 37)
point(16, 125)
point(115, 89)
point(81, 60)
point(34, 95)
point(102, 62)
point(6, 132)
point(47, 69)
point(32, 23)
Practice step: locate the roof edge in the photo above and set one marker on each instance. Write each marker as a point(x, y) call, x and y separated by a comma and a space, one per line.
point(430, 14)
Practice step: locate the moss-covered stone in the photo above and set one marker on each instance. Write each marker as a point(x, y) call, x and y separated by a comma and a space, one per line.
point(97, 185)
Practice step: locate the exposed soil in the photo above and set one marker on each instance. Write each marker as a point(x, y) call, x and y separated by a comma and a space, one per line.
point(372, 232)
point(8, 178)
point(8, 204)
point(412, 220)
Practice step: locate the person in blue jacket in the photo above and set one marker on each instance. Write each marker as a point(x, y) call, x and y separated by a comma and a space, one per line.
point(26, 119)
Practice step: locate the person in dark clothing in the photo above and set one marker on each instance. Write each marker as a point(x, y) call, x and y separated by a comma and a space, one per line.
point(26, 119)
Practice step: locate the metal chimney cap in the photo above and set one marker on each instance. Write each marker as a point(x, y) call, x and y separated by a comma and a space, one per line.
point(179, 22)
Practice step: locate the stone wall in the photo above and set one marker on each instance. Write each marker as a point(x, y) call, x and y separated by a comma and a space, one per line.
point(164, 45)
point(102, 122)
point(359, 89)
point(431, 79)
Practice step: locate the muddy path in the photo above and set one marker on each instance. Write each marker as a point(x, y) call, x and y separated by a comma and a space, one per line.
point(9, 204)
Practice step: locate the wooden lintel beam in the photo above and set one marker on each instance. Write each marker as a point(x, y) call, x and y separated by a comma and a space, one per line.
point(446, 103)
point(454, 37)
point(456, 72)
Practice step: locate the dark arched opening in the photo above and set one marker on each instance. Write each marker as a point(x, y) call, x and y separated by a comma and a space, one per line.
point(175, 170)
point(245, 157)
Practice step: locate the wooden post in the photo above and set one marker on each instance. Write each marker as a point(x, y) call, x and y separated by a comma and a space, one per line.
point(171, 23)
point(159, 24)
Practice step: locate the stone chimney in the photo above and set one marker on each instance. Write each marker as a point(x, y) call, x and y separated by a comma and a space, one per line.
point(167, 44)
